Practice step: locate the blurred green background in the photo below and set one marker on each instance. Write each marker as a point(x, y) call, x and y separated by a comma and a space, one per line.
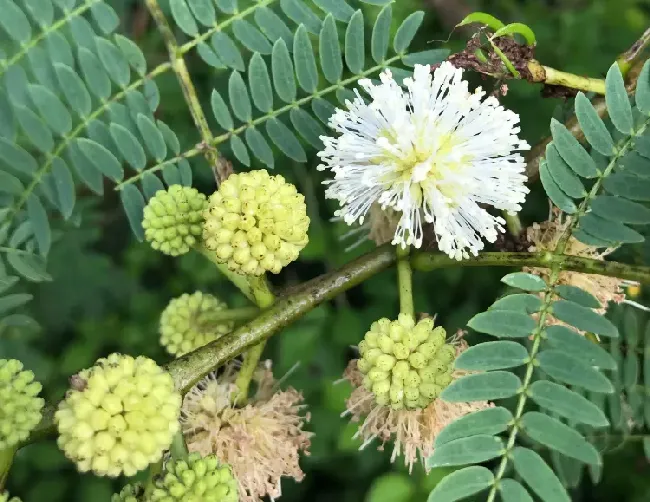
point(109, 290)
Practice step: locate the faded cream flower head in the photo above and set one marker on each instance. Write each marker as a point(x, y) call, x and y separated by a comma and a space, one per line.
point(434, 152)
point(413, 432)
point(262, 441)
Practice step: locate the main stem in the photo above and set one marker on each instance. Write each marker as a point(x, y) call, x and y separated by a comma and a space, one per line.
point(405, 281)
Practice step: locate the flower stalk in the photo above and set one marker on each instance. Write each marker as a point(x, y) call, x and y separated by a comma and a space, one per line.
point(405, 281)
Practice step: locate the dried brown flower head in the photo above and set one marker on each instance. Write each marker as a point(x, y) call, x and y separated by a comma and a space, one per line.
point(413, 432)
point(262, 441)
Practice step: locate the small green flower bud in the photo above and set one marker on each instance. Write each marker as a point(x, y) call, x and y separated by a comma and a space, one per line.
point(130, 493)
point(173, 219)
point(187, 323)
point(409, 363)
point(267, 220)
point(20, 408)
point(197, 479)
point(119, 417)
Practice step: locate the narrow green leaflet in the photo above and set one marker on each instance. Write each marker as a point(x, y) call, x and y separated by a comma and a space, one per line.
point(40, 223)
point(153, 138)
point(86, 169)
point(209, 56)
point(329, 51)
point(133, 54)
point(381, 34)
point(628, 186)
point(527, 282)
point(105, 17)
point(10, 184)
point(14, 21)
point(282, 69)
point(513, 491)
point(430, 57)
point(74, 89)
point(567, 403)
point(503, 324)
point(642, 96)
point(260, 83)
point(607, 230)
point(593, 126)
point(489, 356)
point(238, 97)
point(239, 149)
point(573, 371)
point(113, 61)
point(630, 371)
point(565, 178)
point(300, 13)
point(103, 160)
point(577, 295)
point(618, 104)
point(31, 267)
point(150, 185)
point(538, 475)
point(170, 137)
point(461, 484)
point(272, 25)
point(285, 140)
point(355, 51)
point(516, 28)
point(82, 33)
point(16, 158)
point(557, 196)
point(637, 161)
point(226, 6)
point(42, 11)
point(203, 11)
point(489, 421)
point(220, 111)
point(58, 48)
point(304, 62)
point(251, 37)
point(308, 127)
point(94, 74)
point(590, 240)
point(64, 185)
point(584, 318)
point(227, 51)
point(572, 152)
point(35, 129)
point(7, 122)
point(322, 109)
point(134, 204)
point(482, 386)
point(337, 8)
point(518, 303)
point(129, 146)
point(11, 302)
point(619, 209)
point(171, 175)
point(406, 31)
point(259, 146)
point(558, 436)
point(463, 451)
point(183, 17)
point(56, 115)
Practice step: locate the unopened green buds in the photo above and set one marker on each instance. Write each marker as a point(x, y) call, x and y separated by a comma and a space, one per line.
point(406, 365)
point(130, 493)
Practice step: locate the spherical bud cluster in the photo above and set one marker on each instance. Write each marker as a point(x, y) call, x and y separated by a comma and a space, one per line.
point(4, 497)
point(256, 223)
point(20, 409)
point(130, 493)
point(173, 219)
point(119, 417)
point(406, 365)
point(187, 323)
point(197, 479)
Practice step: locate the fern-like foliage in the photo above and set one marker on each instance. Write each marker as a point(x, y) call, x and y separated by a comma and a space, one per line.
point(76, 105)
point(549, 369)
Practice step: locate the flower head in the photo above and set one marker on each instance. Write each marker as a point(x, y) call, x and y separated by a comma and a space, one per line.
point(20, 408)
point(435, 153)
point(119, 417)
point(187, 323)
point(413, 431)
point(256, 223)
point(262, 441)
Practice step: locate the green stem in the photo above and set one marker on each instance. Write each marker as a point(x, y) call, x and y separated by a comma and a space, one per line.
point(405, 281)
point(513, 223)
point(238, 314)
point(551, 76)
point(6, 459)
point(178, 449)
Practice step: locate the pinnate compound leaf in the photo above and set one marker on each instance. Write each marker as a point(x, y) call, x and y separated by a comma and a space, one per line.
point(134, 204)
point(503, 324)
point(513, 491)
point(238, 97)
point(355, 51)
point(572, 152)
point(577, 295)
point(406, 31)
point(489, 421)
point(461, 484)
point(572, 371)
point(488, 356)
point(618, 104)
point(567, 403)
point(381, 34)
point(527, 282)
point(468, 450)
point(103, 160)
point(642, 96)
point(521, 302)
point(304, 61)
point(40, 223)
point(593, 126)
point(619, 209)
point(557, 196)
point(282, 69)
point(558, 436)
point(584, 319)
point(538, 475)
point(329, 50)
point(482, 386)
point(260, 83)
point(285, 140)
point(220, 111)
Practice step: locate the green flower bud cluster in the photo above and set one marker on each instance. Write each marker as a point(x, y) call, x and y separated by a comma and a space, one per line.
point(130, 493)
point(186, 323)
point(20, 409)
point(119, 417)
point(256, 223)
point(195, 480)
point(173, 219)
point(4, 497)
point(406, 365)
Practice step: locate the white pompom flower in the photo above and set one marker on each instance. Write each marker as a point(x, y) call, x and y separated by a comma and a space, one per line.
point(433, 152)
